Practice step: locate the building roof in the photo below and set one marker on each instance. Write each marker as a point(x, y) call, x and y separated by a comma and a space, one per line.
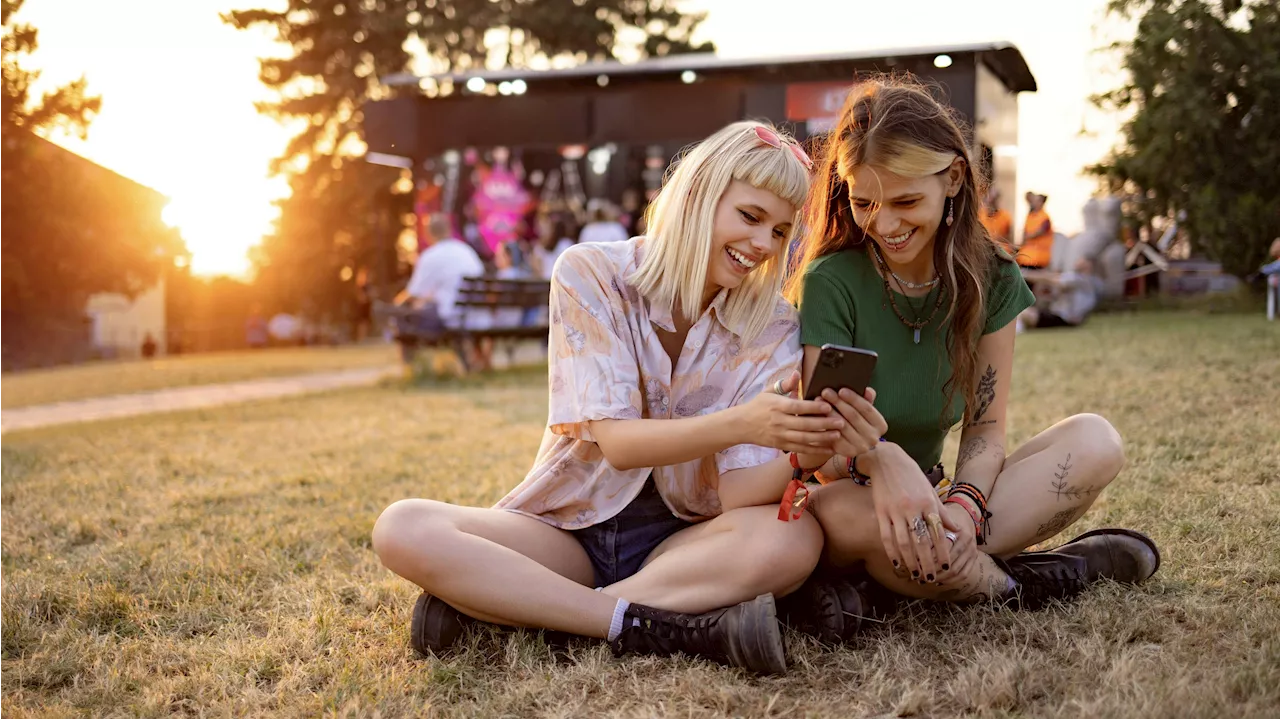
point(1003, 58)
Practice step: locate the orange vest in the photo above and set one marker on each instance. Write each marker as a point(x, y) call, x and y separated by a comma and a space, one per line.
point(1036, 250)
point(998, 225)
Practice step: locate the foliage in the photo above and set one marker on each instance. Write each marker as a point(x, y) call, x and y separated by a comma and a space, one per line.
point(1203, 86)
point(71, 228)
point(342, 212)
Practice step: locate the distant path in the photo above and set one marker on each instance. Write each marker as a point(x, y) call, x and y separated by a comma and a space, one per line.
point(181, 398)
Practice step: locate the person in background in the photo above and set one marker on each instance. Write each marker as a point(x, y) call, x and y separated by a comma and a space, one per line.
point(255, 329)
point(555, 235)
point(1064, 300)
point(149, 346)
point(604, 226)
point(998, 221)
point(1037, 235)
point(437, 277)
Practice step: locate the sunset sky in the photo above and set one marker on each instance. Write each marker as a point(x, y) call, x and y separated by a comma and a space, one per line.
point(178, 89)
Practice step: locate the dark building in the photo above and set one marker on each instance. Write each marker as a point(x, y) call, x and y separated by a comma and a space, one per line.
point(626, 121)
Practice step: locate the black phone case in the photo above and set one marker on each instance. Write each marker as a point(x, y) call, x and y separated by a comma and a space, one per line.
point(840, 367)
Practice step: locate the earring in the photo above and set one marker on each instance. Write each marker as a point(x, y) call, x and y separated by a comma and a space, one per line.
point(951, 207)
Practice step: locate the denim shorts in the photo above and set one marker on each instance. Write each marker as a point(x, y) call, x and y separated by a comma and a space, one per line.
point(619, 545)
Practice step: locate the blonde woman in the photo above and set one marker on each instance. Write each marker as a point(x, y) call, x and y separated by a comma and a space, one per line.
point(650, 517)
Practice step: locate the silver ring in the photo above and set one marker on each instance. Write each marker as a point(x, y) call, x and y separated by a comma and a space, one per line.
point(951, 535)
point(777, 388)
point(920, 528)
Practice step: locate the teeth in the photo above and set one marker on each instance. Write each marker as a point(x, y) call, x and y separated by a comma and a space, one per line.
point(899, 239)
point(740, 257)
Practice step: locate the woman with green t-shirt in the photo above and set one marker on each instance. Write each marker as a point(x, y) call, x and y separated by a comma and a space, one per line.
point(896, 260)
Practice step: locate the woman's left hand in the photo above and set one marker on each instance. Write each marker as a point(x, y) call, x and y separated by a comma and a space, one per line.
point(863, 423)
point(965, 549)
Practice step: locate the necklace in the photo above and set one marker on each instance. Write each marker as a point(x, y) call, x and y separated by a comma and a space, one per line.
point(914, 324)
point(904, 283)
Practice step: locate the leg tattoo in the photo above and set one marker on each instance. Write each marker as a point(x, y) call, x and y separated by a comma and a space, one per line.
point(1062, 488)
point(1057, 523)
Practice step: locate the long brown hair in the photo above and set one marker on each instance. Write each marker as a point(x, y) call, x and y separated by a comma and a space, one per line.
point(896, 124)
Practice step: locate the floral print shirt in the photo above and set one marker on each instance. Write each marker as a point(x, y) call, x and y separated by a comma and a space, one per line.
point(606, 362)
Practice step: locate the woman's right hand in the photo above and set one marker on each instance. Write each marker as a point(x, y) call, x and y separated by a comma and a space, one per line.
point(784, 422)
point(902, 493)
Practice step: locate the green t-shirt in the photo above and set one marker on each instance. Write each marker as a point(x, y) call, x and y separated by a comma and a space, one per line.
point(843, 303)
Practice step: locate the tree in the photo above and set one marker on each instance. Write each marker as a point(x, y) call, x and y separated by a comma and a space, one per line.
point(1203, 87)
point(342, 211)
point(71, 228)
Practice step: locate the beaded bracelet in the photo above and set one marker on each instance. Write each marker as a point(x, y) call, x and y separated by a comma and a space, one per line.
point(981, 517)
point(858, 477)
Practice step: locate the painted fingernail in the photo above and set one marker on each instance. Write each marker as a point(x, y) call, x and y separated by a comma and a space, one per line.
point(945, 567)
point(915, 573)
point(929, 577)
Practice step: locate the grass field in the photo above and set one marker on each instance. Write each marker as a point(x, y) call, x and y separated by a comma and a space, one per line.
point(100, 379)
point(218, 562)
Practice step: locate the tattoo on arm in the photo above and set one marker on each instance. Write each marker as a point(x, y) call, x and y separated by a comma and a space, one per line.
point(985, 394)
point(974, 447)
point(1062, 489)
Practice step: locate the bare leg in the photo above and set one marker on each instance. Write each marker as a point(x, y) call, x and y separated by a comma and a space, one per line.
point(494, 565)
point(730, 559)
point(510, 569)
point(847, 514)
point(1051, 481)
point(1045, 486)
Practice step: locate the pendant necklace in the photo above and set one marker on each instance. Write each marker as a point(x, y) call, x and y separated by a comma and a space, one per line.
point(916, 323)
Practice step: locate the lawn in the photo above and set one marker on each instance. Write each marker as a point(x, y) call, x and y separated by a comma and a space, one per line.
point(100, 379)
point(218, 562)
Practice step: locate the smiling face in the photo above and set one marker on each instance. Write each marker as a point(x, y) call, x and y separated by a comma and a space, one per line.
point(900, 214)
point(751, 226)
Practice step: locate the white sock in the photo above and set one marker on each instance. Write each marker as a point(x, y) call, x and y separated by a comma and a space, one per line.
point(619, 613)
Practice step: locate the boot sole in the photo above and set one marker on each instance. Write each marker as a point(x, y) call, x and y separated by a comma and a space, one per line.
point(1128, 533)
point(763, 653)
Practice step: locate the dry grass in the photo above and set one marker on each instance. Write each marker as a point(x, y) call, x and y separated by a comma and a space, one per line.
point(100, 379)
point(218, 562)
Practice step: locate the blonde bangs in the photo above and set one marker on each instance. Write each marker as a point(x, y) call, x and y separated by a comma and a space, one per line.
point(682, 217)
point(906, 159)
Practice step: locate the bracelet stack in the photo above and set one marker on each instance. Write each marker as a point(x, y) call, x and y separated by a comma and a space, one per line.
point(974, 502)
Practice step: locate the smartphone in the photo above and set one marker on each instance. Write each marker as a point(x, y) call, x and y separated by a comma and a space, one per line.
point(840, 367)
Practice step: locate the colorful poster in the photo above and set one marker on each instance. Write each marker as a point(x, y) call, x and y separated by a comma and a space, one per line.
point(501, 202)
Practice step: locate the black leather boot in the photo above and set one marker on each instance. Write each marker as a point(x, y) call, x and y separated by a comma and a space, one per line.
point(1121, 555)
point(827, 606)
point(746, 635)
point(435, 626)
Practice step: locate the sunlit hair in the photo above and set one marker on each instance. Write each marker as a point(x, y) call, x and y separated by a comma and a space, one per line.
point(682, 216)
point(896, 125)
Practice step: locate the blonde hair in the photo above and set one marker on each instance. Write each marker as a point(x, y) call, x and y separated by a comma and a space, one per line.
point(682, 216)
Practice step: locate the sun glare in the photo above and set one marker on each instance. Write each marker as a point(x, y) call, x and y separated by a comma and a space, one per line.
point(220, 222)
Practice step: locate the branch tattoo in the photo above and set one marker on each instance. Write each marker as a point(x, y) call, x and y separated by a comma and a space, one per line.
point(1062, 489)
point(985, 395)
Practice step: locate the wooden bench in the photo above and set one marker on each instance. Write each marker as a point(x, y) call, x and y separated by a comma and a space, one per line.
point(489, 308)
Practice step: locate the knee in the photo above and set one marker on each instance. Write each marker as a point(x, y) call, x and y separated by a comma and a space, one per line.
point(403, 528)
point(849, 524)
point(784, 554)
point(1104, 443)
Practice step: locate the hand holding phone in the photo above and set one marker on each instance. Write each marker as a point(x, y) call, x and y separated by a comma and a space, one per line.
point(840, 368)
point(840, 377)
